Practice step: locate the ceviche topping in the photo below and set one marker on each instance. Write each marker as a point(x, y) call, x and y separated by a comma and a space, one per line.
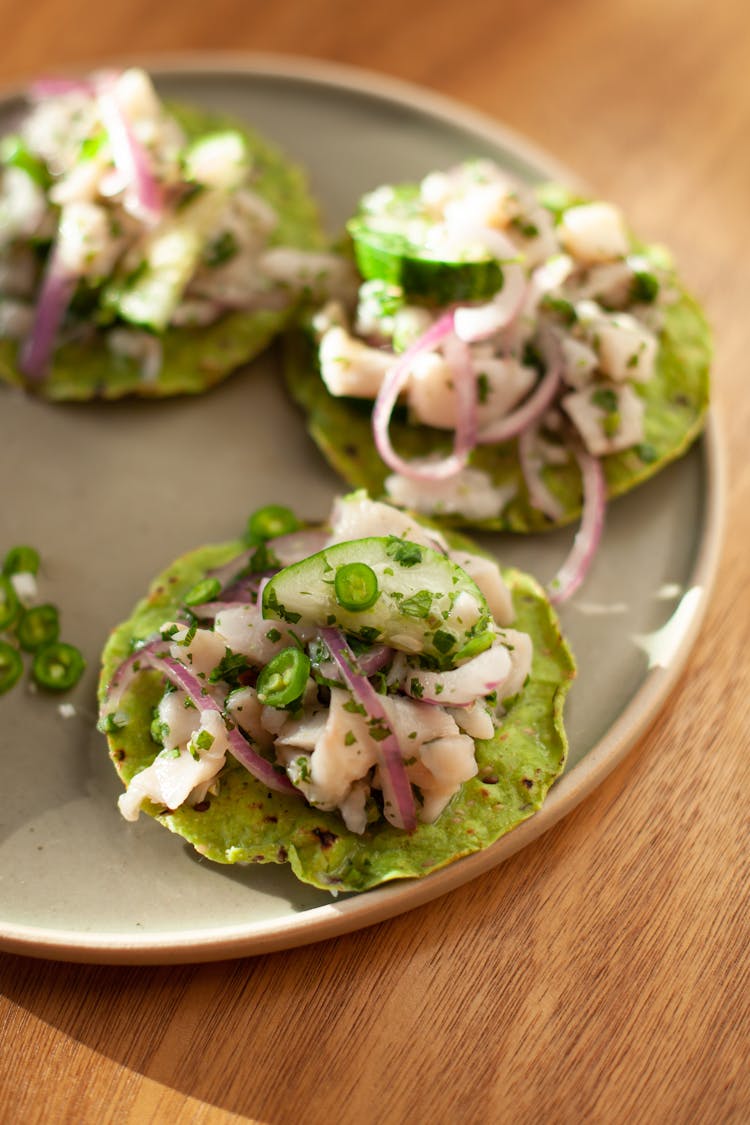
point(495, 311)
point(114, 217)
point(356, 675)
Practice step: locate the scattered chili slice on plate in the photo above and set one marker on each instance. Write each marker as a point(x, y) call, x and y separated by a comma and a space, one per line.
point(9, 603)
point(38, 626)
point(21, 560)
point(57, 666)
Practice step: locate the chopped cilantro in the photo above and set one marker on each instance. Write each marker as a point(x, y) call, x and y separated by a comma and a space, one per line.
point(229, 667)
point(403, 551)
point(443, 641)
point(220, 249)
point(647, 452)
point(606, 399)
point(418, 605)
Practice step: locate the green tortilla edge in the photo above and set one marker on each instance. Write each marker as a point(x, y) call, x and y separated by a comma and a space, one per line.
point(245, 823)
point(675, 398)
point(194, 359)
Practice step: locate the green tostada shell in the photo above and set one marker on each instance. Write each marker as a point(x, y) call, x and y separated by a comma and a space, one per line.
point(245, 823)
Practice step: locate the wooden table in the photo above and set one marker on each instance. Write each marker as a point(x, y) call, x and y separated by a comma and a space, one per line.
point(601, 974)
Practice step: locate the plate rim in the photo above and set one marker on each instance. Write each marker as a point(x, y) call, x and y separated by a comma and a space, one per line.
point(353, 913)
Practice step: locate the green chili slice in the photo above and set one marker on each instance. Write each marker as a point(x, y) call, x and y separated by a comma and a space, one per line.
point(21, 560)
point(9, 603)
point(283, 679)
point(270, 522)
point(203, 591)
point(11, 666)
point(57, 666)
point(38, 626)
point(356, 586)
point(15, 153)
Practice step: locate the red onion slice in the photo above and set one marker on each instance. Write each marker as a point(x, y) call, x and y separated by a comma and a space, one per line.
point(540, 496)
point(149, 658)
point(457, 352)
point(398, 799)
point(58, 286)
point(575, 568)
point(144, 196)
point(57, 87)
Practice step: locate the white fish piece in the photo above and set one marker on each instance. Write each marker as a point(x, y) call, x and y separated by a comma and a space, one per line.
point(470, 493)
point(349, 367)
point(353, 807)
point(627, 349)
point(521, 649)
point(451, 762)
point(590, 418)
point(178, 717)
point(344, 753)
point(201, 655)
point(431, 391)
point(463, 685)
point(488, 578)
point(594, 232)
point(579, 361)
point(219, 161)
point(23, 207)
point(16, 319)
point(246, 710)
point(475, 720)
point(305, 732)
point(85, 243)
point(356, 516)
point(244, 630)
point(503, 383)
point(314, 270)
point(611, 282)
point(136, 95)
point(175, 773)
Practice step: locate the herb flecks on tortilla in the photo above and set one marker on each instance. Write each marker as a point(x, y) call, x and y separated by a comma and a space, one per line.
point(481, 411)
point(356, 756)
point(144, 249)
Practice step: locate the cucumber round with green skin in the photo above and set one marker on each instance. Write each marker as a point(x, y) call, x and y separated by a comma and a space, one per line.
point(425, 603)
point(389, 245)
point(242, 822)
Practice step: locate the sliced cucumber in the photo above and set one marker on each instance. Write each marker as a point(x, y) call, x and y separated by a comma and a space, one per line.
point(424, 604)
point(171, 254)
point(391, 236)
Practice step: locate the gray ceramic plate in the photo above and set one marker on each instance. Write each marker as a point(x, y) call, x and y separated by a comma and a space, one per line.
point(111, 493)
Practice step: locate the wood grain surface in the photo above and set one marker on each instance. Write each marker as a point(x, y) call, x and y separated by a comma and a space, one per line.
point(601, 975)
